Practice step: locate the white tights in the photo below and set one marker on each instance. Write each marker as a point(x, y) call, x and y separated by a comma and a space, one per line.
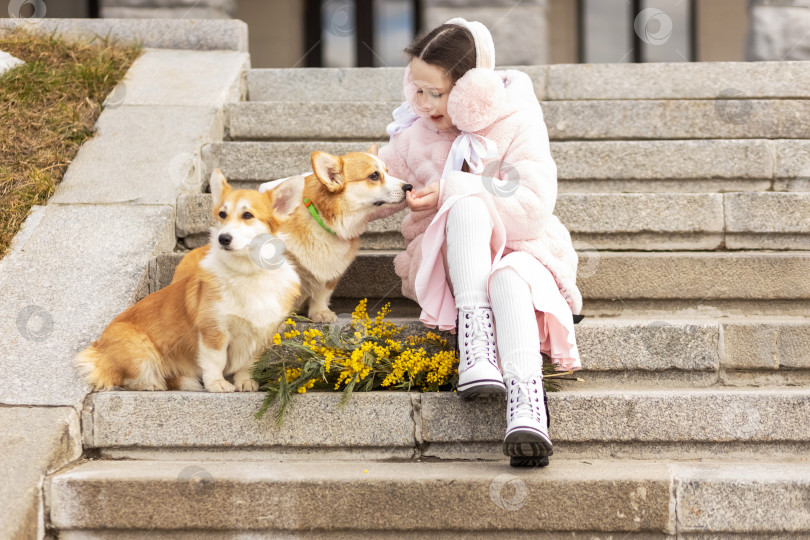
point(469, 229)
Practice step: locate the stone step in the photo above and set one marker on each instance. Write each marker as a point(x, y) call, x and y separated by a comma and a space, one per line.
point(649, 284)
point(622, 283)
point(767, 220)
point(634, 221)
point(615, 283)
point(680, 423)
point(619, 221)
point(566, 120)
point(390, 500)
point(694, 348)
point(582, 166)
point(681, 80)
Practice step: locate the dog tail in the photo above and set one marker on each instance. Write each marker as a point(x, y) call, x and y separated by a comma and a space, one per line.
point(88, 362)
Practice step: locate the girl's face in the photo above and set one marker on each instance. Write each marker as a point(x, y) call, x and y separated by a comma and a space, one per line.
point(432, 90)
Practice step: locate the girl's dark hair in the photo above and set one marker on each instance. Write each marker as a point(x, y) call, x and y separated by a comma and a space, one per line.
point(449, 46)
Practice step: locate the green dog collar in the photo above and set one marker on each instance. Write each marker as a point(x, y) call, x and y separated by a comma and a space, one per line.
point(314, 212)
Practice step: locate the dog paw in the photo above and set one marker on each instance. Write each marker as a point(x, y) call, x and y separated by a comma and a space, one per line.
point(220, 385)
point(323, 316)
point(247, 385)
point(142, 386)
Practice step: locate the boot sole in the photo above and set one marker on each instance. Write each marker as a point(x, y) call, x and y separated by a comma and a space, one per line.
point(479, 390)
point(529, 462)
point(527, 444)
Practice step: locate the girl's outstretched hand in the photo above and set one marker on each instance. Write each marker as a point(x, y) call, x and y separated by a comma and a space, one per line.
point(426, 198)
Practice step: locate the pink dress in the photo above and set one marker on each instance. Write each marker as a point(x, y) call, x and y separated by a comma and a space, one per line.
point(554, 318)
point(500, 116)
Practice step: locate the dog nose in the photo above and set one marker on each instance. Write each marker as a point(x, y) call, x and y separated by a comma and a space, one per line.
point(225, 239)
point(407, 187)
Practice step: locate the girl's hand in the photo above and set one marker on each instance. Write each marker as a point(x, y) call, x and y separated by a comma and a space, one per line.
point(426, 198)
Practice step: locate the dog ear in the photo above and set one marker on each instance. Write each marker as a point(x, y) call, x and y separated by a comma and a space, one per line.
point(328, 169)
point(373, 149)
point(287, 196)
point(219, 185)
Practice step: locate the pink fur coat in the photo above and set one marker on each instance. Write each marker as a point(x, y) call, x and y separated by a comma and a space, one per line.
point(501, 106)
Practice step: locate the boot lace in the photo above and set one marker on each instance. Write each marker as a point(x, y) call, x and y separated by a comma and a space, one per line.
point(479, 335)
point(526, 399)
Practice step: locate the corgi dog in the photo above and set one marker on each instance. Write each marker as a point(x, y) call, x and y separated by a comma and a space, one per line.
point(322, 235)
point(214, 321)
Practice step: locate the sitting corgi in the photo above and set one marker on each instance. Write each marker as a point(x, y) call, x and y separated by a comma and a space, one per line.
point(212, 322)
point(322, 235)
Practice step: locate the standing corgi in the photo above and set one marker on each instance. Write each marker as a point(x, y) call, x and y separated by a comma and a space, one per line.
point(215, 320)
point(322, 235)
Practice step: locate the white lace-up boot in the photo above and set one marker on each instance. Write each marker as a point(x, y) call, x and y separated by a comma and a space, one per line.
point(526, 417)
point(478, 371)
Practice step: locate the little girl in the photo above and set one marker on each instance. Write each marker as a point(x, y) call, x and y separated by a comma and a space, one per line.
point(482, 244)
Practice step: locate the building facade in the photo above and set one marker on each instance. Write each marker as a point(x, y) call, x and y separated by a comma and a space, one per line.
point(342, 33)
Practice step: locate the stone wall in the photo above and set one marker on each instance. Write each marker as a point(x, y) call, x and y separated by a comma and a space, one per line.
point(780, 30)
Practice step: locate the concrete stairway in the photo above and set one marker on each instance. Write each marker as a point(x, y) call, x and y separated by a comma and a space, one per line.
point(685, 187)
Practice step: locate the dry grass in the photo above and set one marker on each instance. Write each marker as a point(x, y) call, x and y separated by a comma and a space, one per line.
point(48, 107)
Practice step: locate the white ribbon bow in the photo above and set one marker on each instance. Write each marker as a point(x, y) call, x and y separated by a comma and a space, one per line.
point(472, 148)
point(469, 147)
point(404, 117)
